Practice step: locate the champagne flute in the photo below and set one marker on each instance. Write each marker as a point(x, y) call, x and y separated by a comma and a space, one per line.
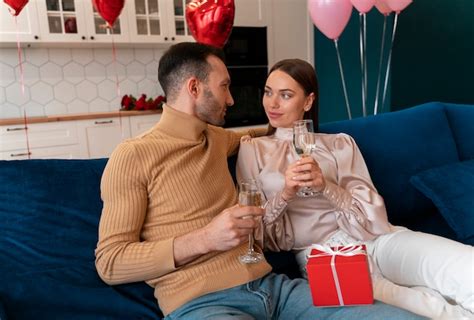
point(304, 141)
point(250, 195)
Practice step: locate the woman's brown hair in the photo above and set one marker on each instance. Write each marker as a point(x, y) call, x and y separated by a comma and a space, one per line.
point(303, 73)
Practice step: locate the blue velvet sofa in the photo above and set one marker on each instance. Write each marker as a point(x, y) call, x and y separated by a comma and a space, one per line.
point(421, 160)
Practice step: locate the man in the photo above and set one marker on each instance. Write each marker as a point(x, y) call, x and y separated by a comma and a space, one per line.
point(170, 216)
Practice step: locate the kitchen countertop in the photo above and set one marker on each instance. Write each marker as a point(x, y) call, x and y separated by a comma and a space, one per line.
point(78, 116)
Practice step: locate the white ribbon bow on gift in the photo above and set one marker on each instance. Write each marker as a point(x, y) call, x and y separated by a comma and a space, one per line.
point(345, 251)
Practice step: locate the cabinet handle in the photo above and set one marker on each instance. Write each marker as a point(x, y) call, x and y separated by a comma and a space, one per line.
point(172, 38)
point(17, 129)
point(92, 37)
point(104, 122)
point(83, 38)
point(36, 37)
point(20, 154)
point(166, 38)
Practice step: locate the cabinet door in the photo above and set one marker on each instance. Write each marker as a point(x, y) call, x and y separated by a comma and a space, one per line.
point(60, 152)
point(140, 124)
point(45, 140)
point(148, 21)
point(62, 20)
point(97, 29)
point(99, 137)
point(40, 135)
point(13, 137)
point(178, 27)
point(252, 13)
point(26, 25)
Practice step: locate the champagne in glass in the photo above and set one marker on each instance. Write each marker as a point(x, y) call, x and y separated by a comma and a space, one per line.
point(304, 141)
point(250, 195)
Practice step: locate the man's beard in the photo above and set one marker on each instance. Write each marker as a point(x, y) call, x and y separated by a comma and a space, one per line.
point(210, 111)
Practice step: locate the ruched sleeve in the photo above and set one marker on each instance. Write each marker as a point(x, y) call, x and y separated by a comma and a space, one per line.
point(359, 209)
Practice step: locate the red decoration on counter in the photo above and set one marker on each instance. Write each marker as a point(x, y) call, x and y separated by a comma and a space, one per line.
point(109, 10)
point(129, 102)
point(210, 22)
point(15, 6)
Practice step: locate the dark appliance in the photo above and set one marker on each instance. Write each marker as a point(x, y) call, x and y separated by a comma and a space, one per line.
point(247, 62)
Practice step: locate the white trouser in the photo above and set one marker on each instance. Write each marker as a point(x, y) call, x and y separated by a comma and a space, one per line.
point(418, 272)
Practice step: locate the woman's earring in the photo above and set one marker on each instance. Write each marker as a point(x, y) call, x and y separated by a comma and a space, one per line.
point(307, 108)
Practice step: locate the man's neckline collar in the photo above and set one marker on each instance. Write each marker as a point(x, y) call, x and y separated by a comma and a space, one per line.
point(180, 124)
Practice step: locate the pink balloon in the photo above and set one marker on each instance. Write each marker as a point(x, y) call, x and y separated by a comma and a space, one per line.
point(363, 6)
point(330, 16)
point(398, 5)
point(382, 7)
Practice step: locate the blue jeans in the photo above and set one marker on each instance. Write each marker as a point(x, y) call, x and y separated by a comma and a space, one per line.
point(276, 297)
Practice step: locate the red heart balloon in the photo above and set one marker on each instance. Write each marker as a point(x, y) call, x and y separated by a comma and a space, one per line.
point(15, 6)
point(109, 10)
point(210, 22)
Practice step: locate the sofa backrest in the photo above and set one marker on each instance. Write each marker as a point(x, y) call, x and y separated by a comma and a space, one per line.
point(49, 216)
point(398, 145)
point(461, 121)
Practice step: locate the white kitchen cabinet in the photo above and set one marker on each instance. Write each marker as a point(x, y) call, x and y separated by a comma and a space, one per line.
point(60, 152)
point(140, 124)
point(290, 31)
point(72, 139)
point(251, 13)
point(158, 21)
point(76, 21)
point(26, 25)
point(99, 137)
point(54, 139)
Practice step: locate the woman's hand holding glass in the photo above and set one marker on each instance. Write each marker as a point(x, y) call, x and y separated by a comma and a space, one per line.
point(304, 173)
point(304, 141)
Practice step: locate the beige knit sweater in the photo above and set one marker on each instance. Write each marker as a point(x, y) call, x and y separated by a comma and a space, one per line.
point(165, 183)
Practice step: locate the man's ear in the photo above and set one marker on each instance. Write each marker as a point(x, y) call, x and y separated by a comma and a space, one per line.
point(193, 87)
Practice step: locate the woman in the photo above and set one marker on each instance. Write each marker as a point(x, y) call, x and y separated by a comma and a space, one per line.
point(348, 208)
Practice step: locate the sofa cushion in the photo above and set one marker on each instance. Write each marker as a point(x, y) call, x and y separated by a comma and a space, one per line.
point(398, 145)
point(451, 188)
point(49, 216)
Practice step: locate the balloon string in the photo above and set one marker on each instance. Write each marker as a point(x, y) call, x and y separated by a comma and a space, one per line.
point(117, 86)
point(389, 60)
point(365, 64)
point(362, 53)
point(25, 122)
point(114, 57)
point(22, 79)
point(382, 46)
point(343, 80)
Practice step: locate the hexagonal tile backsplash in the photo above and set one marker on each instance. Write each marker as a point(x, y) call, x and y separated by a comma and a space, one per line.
point(67, 81)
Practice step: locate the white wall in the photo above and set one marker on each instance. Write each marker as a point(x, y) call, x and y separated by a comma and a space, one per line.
point(67, 81)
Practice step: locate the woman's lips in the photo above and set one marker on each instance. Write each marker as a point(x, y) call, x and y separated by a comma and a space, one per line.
point(273, 115)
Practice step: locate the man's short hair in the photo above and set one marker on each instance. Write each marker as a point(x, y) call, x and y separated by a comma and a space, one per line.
point(184, 60)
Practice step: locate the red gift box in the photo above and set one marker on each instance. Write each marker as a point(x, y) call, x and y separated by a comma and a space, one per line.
point(339, 276)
